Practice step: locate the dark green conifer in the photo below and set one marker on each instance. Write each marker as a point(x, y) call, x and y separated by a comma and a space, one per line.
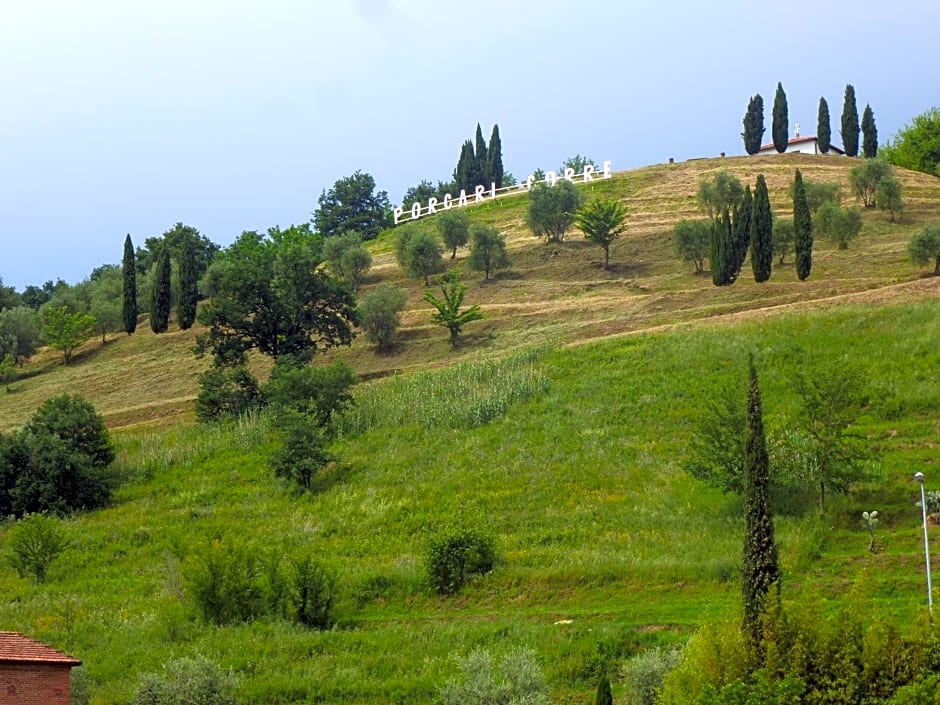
point(129, 270)
point(160, 301)
point(780, 128)
point(480, 162)
point(189, 290)
point(742, 230)
point(721, 256)
point(850, 123)
point(762, 233)
point(463, 174)
point(823, 129)
point(869, 134)
point(494, 159)
point(753, 124)
point(760, 570)
point(604, 695)
point(803, 228)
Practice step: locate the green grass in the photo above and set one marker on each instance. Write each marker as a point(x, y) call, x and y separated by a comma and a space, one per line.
point(577, 476)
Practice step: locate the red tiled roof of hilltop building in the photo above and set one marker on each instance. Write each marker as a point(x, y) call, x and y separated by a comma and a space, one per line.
point(800, 140)
point(14, 647)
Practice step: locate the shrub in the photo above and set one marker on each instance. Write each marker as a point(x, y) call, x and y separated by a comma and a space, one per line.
point(81, 688)
point(889, 196)
point(302, 452)
point(311, 591)
point(924, 247)
point(784, 237)
point(35, 542)
point(644, 674)
point(226, 392)
point(691, 240)
point(840, 225)
point(380, 313)
point(187, 681)
point(225, 582)
point(317, 391)
point(552, 209)
point(453, 557)
point(516, 679)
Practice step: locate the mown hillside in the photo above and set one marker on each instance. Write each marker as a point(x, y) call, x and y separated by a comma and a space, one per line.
point(560, 427)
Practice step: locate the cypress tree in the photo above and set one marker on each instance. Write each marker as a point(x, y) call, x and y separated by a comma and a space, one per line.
point(463, 174)
point(742, 231)
point(721, 256)
point(762, 233)
point(480, 175)
point(850, 123)
point(823, 129)
point(129, 270)
point(753, 125)
point(604, 695)
point(160, 301)
point(494, 159)
point(760, 570)
point(780, 128)
point(869, 134)
point(803, 229)
point(189, 292)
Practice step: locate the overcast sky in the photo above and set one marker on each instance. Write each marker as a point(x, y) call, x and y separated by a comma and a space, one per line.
point(121, 116)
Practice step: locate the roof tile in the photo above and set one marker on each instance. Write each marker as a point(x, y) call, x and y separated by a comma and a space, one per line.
point(18, 648)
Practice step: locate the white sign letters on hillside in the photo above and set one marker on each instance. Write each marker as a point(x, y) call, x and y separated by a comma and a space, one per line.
point(481, 193)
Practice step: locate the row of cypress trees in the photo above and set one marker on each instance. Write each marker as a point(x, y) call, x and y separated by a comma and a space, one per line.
point(479, 163)
point(754, 125)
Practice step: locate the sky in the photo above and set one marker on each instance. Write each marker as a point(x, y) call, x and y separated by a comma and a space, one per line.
point(124, 117)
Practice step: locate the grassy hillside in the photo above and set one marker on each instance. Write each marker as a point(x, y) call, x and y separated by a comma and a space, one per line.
point(607, 545)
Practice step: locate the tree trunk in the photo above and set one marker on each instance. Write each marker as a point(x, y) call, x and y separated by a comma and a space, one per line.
point(937, 268)
point(822, 498)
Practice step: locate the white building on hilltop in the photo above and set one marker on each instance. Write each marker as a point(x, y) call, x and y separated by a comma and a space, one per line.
point(803, 145)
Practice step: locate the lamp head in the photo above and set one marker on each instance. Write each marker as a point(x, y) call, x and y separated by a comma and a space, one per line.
point(919, 477)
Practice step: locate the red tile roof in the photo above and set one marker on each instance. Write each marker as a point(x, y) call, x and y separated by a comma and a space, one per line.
point(14, 647)
point(800, 140)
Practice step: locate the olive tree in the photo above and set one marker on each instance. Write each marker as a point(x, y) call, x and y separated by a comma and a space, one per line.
point(924, 247)
point(552, 209)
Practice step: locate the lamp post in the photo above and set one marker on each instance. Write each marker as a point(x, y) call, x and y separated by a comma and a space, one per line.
point(919, 477)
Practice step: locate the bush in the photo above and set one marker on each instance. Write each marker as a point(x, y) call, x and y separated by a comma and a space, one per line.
point(317, 391)
point(380, 313)
point(302, 452)
point(187, 681)
point(81, 688)
point(784, 237)
point(516, 679)
point(644, 674)
point(840, 225)
point(311, 591)
point(924, 247)
point(889, 197)
point(552, 209)
point(225, 582)
point(454, 557)
point(691, 241)
point(226, 392)
point(35, 542)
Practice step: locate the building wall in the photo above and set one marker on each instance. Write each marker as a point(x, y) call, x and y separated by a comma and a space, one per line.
point(34, 684)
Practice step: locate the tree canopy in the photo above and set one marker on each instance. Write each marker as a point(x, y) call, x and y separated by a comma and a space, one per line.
point(823, 127)
point(753, 125)
point(552, 209)
point(602, 222)
point(916, 146)
point(850, 127)
point(353, 204)
point(780, 128)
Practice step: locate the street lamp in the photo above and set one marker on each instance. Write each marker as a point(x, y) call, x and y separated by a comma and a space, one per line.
point(919, 477)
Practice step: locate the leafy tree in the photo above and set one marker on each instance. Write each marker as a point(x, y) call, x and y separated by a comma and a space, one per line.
point(823, 128)
point(889, 197)
point(494, 160)
point(454, 227)
point(719, 440)
point(318, 392)
point(803, 229)
point(353, 204)
point(841, 225)
point(865, 178)
point(916, 146)
point(302, 452)
point(850, 123)
point(421, 194)
point(21, 331)
point(7, 370)
point(448, 306)
point(8, 296)
point(753, 124)
point(187, 681)
point(925, 246)
point(487, 249)
point(869, 134)
point(423, 255)
point(762, 246)
point(784, 237)
point(269, 294)
point(690, 240)
point(515, 679)
point(602, 222)
point(189, 285)
point(66, 331)
point(380, 314)
point(780, 128)
point(722, 191)
point(348, 258)
point(453, 557)
point(106, 292)
point(35, 542)
point(552, 209)
point(722, 257)
point(818, 193)
point(175, 238)
point(160, 297)
point(403, 235)
point(312, 592)
point(226, 392)
point(129, 301)
point(34, 296)
point(760, 570)
point(577, 164)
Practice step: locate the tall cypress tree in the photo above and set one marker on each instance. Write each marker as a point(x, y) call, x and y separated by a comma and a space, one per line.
point(189, 291)
point(803, 229)
point(160, 301)
point(823, 129)
point(760, 570)
point(869, 134)
point(850, 123)
point(463, 174)
point(762, 230)
point(742, 230)
point(721, 255)
point(494, 159)
point(480, 175)
point(753, 124)
point(129, 270)
point(780, 128)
